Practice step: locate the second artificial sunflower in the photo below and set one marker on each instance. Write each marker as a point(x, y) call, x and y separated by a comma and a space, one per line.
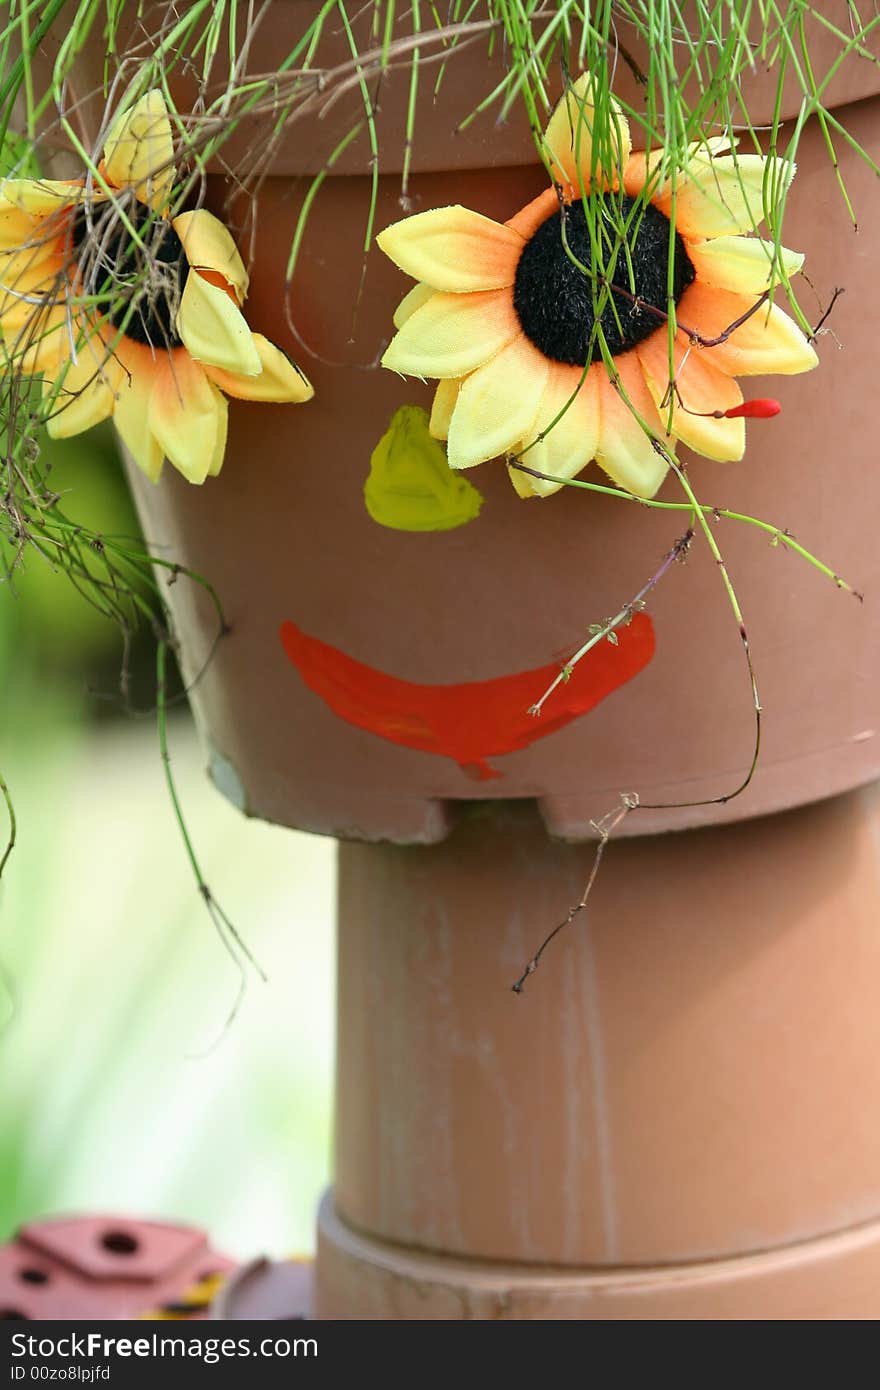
point(160, 351)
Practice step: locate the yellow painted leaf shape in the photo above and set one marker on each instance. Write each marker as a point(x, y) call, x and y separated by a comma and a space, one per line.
point(410, 485)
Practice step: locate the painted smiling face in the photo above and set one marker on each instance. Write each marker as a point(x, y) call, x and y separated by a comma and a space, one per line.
point(437, 623)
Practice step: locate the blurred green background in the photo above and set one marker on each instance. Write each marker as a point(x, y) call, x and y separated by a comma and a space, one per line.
point(121, 1090)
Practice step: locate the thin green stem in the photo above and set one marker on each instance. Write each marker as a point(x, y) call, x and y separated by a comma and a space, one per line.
point(232, 941)
point(10, 811)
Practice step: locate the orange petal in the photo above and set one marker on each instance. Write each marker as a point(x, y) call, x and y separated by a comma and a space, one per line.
point(701, 389)
point(767, 341)
point(41, 343)
point(48, 254)
point(280, 379)
point(535, 214)
point(214, 329)
point(523, 483)
point(641, 170)
point(645, 167)
point(219, 454)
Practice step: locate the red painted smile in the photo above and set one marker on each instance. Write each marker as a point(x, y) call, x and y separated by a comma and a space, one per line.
point(473, 721)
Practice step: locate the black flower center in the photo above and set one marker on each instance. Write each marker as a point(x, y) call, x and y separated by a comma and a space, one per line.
point(141, 284)
point(555, 300)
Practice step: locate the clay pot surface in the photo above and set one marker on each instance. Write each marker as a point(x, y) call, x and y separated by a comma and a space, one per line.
point(691, 1076)
point(359, 1278)
point(450, 131)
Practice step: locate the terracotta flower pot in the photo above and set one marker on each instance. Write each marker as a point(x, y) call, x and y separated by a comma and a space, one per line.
point(625, 1113)
point(305, 736)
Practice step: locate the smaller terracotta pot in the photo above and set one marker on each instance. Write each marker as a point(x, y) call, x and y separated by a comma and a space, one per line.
point(680, 1115)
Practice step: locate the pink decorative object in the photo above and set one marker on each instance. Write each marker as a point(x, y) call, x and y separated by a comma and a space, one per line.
point(85, 1267)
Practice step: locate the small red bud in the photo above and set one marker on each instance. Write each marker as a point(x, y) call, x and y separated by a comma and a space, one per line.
point(753, 410)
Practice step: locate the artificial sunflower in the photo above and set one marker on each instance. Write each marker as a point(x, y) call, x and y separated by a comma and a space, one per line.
point(506, 321)
point(158, 352)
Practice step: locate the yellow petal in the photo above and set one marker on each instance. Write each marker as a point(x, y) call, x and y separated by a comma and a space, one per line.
point(209, 246)
point(418, 295)
point(30, 256)
point(22, 233)
point(701, 389)
point(42, 344)
point(131, 414)
point(712, 145)
point(451, 334)
point(280, 379)
point(74, 410)
point(84, 393)
point(767, 341)
point(645, 168)
point(444, 403)
point(214, 330)
point(220, 441)
point(523, 483)
point(28, 291)
point(624, 450)
point(571, 443)
point(188, 416)
point(497, 404)
point(16, 228)
point(586, 145)
point(454, 249)
point(40, 196)
point(743, 264)
point(723, 195)
point(139, 151)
